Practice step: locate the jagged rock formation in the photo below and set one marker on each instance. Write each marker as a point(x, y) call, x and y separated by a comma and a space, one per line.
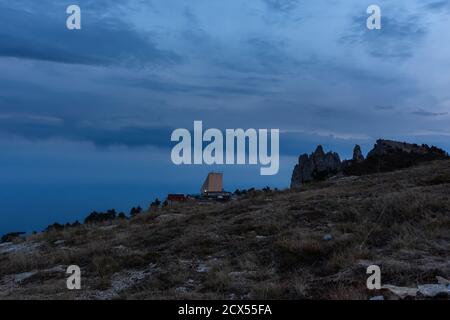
point(386, 147)
point(357, 154)
point(386, 155)
point(11, 236)
point(319, 165)
point(358, 157)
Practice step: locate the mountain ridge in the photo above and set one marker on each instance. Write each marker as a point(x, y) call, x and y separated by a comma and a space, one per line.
point(313, 243)
point(386, 155)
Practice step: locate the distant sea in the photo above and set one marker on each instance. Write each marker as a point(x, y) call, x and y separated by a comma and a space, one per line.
point(33, 207)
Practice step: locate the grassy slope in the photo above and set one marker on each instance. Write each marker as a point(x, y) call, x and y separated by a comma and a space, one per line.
point(269, 245)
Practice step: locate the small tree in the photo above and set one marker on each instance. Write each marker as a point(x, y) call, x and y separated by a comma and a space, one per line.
point(76, 223)
point(155, 204)
point(135, 211)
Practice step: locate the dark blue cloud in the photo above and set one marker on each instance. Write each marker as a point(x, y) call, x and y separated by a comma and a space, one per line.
point(397, 39)
point(384, 108)
point(101, 41)
point(38, 128)
point(163, 86)
point(425, 113)
point(439, 5)
point(282, 5)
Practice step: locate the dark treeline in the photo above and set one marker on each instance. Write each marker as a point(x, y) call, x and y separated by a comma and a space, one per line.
point(112, 214)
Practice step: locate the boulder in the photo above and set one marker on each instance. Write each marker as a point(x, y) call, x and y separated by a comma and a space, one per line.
point(442, 280)
point(401, 292)
point(433, 290)
point(327, 237)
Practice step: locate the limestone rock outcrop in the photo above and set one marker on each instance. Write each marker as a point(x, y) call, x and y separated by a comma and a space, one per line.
point(357, 154)
point(389, 155)
point(319, 165)
point(386, 155)
point(387, 147)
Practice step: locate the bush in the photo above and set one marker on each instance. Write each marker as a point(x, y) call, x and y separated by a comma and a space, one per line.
point(54, 227)
point(291, 253)
point(155, 204)
point(100, 217)
point(135, 211)
point(11, 236)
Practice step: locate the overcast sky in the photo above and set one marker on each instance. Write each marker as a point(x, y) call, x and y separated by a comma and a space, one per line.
point(86, 115)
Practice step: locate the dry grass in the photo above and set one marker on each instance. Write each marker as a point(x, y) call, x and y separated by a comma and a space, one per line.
point(264, 246)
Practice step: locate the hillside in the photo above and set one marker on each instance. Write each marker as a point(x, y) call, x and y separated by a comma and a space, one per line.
point(312, 243)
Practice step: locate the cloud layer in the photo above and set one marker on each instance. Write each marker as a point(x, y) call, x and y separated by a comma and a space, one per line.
point(138, 69)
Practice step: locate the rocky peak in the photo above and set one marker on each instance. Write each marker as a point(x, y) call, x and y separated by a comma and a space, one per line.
point(318, 165)
point(319, 152)
point(387, 147)
point(389, 155)
point(386, 155)
point(357, 154)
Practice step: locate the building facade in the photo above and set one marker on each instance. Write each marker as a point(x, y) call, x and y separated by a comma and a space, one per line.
point(213, 183)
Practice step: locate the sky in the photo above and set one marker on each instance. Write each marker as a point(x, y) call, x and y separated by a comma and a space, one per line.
point(86, 115)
